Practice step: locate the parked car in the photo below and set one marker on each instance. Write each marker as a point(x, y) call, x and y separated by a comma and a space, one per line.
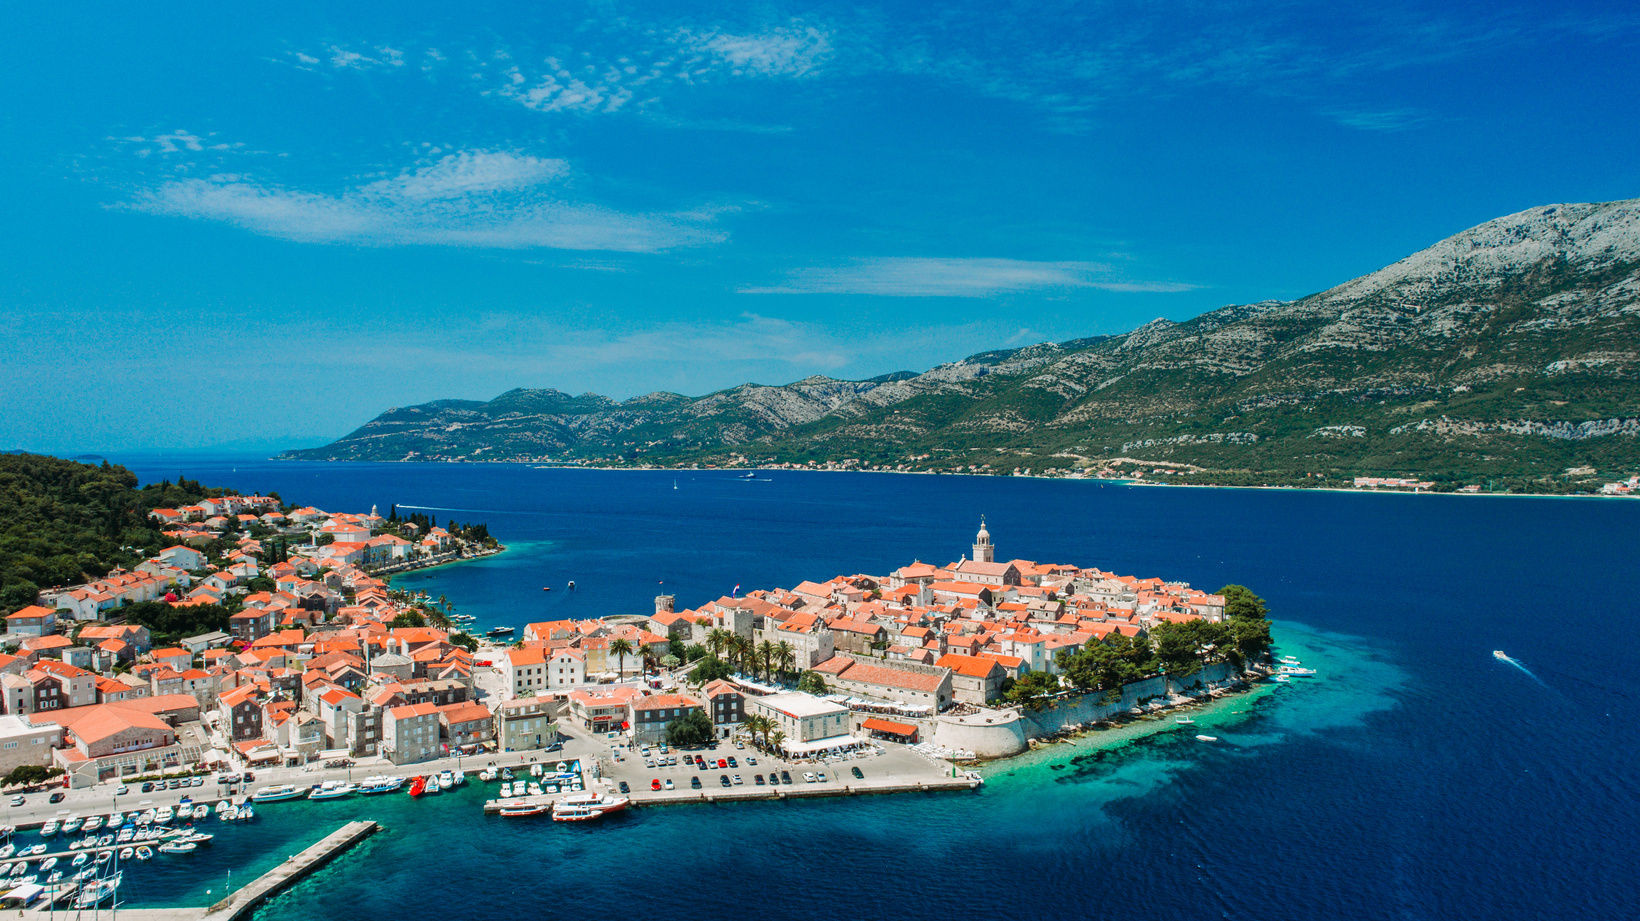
point(723, 779)
point(198, 782)
point(695, 781)
point(757, 779)
point(58, 796)
point(858, 774)
point(121, 790)
point(808, 777)
point(723, 762)
point(822, 776)
point(785, 776)
point(655, 784)
point(17, 800)
point(668, 783)
point(751, 760)
point(148, 786)
point(626, 787)
point(774, 779)
point(738, 781)
point(732, 762)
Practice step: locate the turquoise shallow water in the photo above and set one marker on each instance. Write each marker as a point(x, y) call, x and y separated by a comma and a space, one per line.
point(1418, 777)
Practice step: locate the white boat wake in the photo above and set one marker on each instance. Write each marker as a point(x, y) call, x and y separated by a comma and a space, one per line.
point(1502, 656)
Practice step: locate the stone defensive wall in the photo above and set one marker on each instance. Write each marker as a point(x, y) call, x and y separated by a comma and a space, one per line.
point(1000, 733)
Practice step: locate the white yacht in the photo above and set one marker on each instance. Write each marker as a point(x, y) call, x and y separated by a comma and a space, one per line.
point(333, 789)
point(275, 793)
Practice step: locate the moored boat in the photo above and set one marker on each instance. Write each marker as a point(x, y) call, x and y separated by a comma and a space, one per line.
point(586, 806)
point(1207, 738)
point(333, 789)
point(96, 890)
point(276, 793)
point(520, 810)
point(418, 786)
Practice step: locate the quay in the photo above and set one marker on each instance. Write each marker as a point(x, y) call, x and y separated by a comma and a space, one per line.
point(744, 793)
point(241, 902)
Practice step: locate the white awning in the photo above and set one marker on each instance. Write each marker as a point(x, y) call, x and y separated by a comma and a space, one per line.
point(820, 745)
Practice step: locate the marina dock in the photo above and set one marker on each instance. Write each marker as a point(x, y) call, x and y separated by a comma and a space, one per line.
point(248, 897)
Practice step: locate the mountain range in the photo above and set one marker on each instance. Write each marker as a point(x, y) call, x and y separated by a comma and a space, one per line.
point(1508, 350)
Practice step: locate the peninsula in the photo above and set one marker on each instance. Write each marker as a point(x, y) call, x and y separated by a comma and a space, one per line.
point(1500, 359)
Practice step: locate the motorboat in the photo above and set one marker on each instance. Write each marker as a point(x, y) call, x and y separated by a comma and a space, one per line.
point(520, 810)
point(461, 778)
point(105, 856)
point(1500, 655)
point(1295, 671)
point(116, 820)
point(50, 828)
point(196, 838)
point(231, 813)
point(178, 847)
point(96, 890)
point(92, 824)
point(19, 868)
point(333, 789)
point(72, 825)
point(80, 859)
point(146, 817)
point(446, 780)
point(126, 834)
point(202, 811)
point(380, 784)
point(125, 853)
point(163, 815)
point(144, 852)
point(7, 851)
point(49, 863)
point(247, 813)
point(31, 850)
point(1207, 738)
point(502, 631)
point(276, 793)
point(587, 806)
point(418, 786)
point(1183, 720)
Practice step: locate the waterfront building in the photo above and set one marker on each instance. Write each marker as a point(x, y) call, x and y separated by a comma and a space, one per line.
point(726, 704)
point(810, 723)
point(602, 709)
point(525, 724)
point(523, 671)
point(906, 683)
point(410, 733)
point(649, 716)
point(23, 741)
point(466, 725)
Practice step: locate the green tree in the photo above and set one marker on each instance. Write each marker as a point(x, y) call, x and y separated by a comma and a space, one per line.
point(1031, 689)
point(412, 618)
point(786, 655)
point(465, 641)
point(693, 728)
point(711, 668)
point(812, 682)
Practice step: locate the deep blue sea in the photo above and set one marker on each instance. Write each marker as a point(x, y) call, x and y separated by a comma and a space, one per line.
point(1418, 777)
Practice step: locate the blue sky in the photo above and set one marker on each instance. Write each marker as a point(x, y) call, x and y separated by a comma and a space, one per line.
point(259, 230)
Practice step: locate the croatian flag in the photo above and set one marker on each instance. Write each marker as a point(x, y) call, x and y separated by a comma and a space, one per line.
point(736, 592)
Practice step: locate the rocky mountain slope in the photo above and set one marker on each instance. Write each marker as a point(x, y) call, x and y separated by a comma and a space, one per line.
point(1511, 349)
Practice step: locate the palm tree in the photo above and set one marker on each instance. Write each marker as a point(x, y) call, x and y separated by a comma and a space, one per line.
point(717, 640)
point(622, 647)
point(786, 655)
point(648, 653)
point(743, 651)
point(775, 740)
point(765, 651)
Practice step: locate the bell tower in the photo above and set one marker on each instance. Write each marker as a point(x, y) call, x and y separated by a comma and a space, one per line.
point(983, 551)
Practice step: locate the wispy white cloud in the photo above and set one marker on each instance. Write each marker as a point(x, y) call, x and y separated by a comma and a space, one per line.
point(471, 199)
point(935, 277)
point(179, 141)
point(1378, 120)
point(793, 50)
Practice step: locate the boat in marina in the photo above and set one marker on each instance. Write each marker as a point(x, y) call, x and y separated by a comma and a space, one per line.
point(144, 852)
point(49, 863)
point(80, 859)
point(31, 850)
point(276, 793)
point(231, 813)
point(126, 834)
point(196, 838)
point(333, 789)
point(72, 825)
point(125, 853)
point(1282, 679)
point(96, 890)
point(163, 815)
point(19, 868)
point(418, 786)
point(446, 780)
point(1207, 738)
point(50, 828)
point(178, 847)
point(247, 813)
point(587, 806)
point(92, 824)
point(7, 851)
point(1296, 671)
point(105, 856)
point(520, 810)
point(380, 784)
point(433, 784)
point(499, 631)
point(201, 811)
